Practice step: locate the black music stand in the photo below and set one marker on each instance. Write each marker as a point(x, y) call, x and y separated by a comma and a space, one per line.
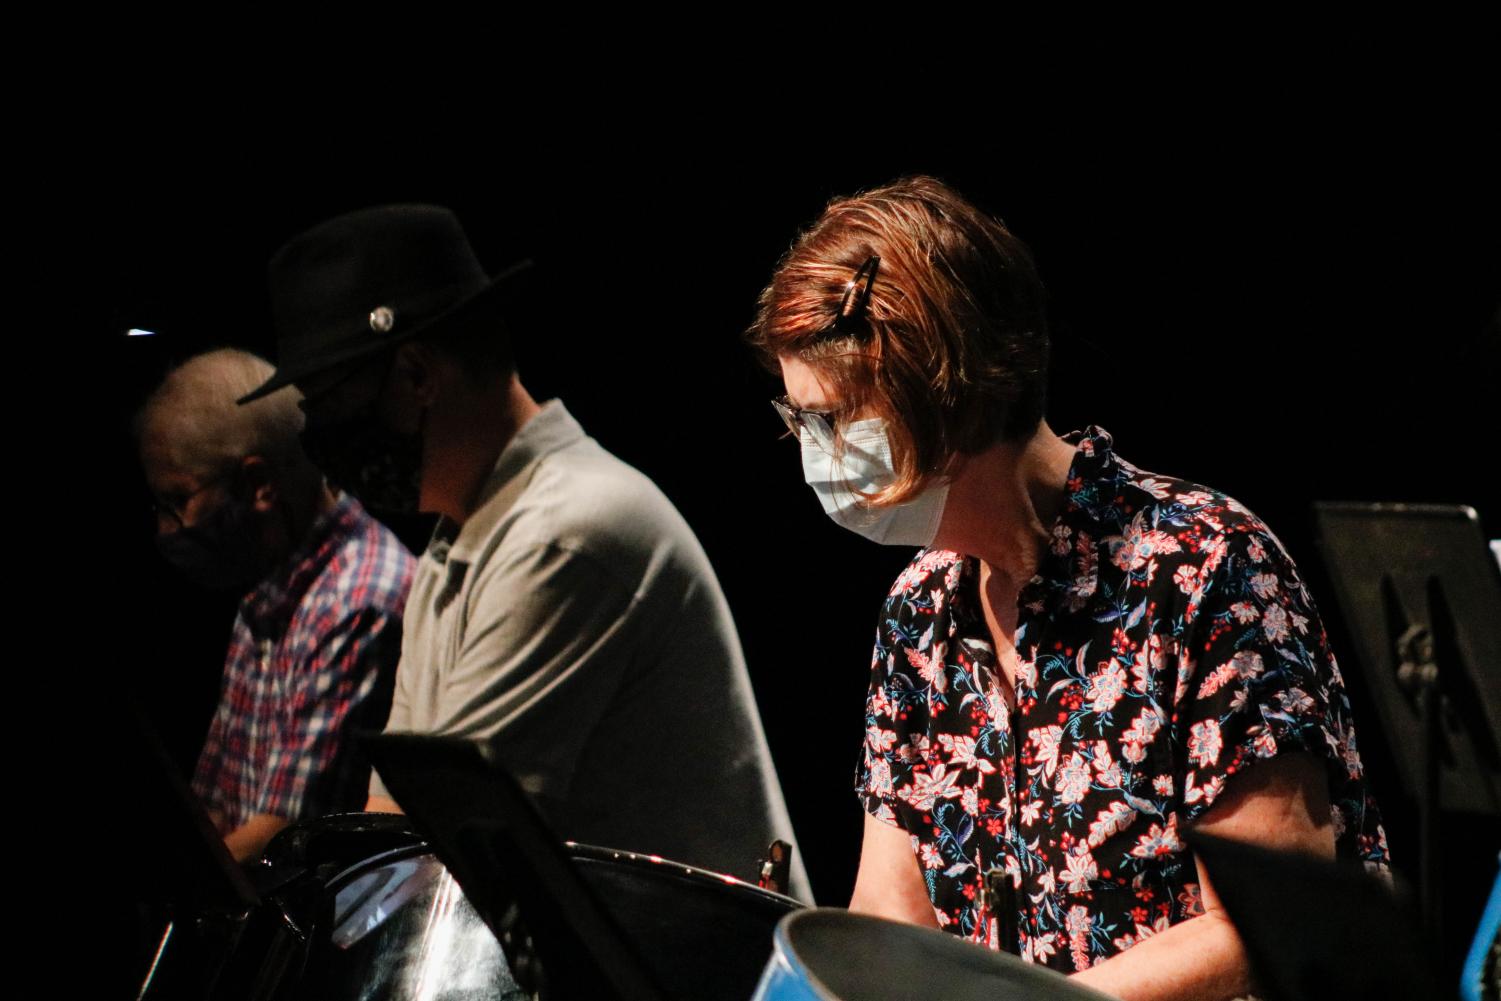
point(1316, 930)
point(1422, 597)
point(486, 831)
point(184, 867)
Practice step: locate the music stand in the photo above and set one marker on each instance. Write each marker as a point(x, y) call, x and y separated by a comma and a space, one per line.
point(183, 860)
point(1422, 597)
point(1316, 930)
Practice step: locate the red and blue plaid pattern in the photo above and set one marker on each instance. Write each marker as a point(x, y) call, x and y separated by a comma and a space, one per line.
point(312, 656)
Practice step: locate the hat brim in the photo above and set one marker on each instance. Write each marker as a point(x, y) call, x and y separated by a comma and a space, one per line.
point(501, 285)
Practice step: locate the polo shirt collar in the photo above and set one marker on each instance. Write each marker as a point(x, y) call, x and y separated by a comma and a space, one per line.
point(550, 429)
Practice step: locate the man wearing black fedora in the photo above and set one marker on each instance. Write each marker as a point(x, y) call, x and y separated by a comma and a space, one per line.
point(564, 611)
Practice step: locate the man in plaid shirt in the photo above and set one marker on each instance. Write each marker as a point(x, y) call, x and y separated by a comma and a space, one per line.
point(317, 635)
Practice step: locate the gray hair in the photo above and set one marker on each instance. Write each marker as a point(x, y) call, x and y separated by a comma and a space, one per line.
point(193, 421)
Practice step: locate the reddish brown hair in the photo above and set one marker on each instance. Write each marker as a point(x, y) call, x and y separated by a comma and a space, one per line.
point(952, 349)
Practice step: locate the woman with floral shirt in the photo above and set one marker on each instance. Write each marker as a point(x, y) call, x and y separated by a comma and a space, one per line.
point(1084, 659)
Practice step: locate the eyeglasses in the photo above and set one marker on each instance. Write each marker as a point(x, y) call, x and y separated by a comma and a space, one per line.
point(171, 509)
point(818, 423)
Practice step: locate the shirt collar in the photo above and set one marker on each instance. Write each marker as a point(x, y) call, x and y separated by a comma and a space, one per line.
point(275, 598)
point(1093, 476)
point(550, 429)
point(1090, 493)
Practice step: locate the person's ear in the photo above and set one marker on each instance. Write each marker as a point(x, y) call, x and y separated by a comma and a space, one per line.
point(415, 372)
point(260, 484)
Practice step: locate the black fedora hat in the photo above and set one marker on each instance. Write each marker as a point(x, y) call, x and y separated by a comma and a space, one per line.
point(368, 280)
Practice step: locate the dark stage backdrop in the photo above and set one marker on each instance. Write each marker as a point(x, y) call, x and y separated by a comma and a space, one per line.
point(1288, 314)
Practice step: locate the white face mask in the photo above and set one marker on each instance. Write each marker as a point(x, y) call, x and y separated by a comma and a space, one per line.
point(865, 467)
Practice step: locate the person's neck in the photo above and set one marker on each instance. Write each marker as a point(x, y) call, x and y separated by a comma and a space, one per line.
point(291, 525)
point(465, 433)
point(323, 502)
point(1003, 502)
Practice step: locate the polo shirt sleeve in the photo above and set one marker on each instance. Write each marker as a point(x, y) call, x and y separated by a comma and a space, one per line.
point(546, 642)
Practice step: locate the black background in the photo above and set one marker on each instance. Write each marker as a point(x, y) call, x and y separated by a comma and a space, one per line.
point(1291, 298)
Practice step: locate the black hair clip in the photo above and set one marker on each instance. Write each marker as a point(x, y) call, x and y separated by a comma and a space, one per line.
point(856, 295)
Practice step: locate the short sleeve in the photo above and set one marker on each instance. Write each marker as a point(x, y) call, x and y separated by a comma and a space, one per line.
point(886, 733)
point(909, 689)
point(206, 780)
point(214, 776)
point(1257, 677)
point(316, 767)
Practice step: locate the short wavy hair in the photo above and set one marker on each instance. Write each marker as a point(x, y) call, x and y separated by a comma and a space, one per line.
point(952, 348)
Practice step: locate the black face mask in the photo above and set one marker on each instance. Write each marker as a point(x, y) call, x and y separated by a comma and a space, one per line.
point(218, 553)
point(360, 454)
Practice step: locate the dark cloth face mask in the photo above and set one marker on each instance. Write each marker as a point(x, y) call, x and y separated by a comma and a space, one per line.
point(382, 468)
point(218, 553)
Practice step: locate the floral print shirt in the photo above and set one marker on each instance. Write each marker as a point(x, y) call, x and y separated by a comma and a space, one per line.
point(1165, 644)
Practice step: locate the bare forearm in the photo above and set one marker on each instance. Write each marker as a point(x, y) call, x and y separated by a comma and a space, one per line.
point(249, 839)
point(1201, 958)
point(381, 804)
point(868, 900)
point(889, 884)
point(1281, 803)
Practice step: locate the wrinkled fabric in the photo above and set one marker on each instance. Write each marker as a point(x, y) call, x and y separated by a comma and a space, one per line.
point(1166, 644)
point(312, 656)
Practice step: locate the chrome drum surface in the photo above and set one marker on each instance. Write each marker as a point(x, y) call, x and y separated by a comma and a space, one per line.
point(363, 910)
point(401, 929)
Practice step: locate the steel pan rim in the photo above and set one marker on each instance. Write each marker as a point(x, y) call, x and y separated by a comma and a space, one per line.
point(663, 865)
point(339, 879)
point(783, 952)
point(595, 853)
point(1012, 971)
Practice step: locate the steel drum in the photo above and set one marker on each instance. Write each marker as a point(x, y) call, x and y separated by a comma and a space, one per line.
point(400, 928)
point(389, 922)
point(833, 955)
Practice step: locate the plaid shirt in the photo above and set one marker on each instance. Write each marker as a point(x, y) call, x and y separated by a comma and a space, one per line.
point(313, 653)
